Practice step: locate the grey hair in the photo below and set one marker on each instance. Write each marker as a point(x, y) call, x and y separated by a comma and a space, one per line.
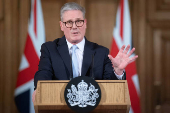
point(71, 6)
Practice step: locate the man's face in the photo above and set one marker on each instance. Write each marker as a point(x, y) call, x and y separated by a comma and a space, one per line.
point(74, 34)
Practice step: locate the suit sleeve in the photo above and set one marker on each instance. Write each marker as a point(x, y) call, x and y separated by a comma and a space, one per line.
point(45, 70)
point(108, 69)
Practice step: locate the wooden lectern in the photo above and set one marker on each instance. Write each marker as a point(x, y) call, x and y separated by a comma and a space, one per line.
point(50, 97)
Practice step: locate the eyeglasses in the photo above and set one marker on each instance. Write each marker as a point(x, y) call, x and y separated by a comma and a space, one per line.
point(69, 24)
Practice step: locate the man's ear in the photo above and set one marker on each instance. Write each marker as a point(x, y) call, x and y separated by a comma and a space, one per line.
point(61, 26)
point(85, 22)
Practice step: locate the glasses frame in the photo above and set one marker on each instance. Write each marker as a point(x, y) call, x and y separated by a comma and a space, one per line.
point(73, 23)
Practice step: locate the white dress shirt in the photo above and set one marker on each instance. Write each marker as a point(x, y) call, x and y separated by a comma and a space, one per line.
point(79, 54)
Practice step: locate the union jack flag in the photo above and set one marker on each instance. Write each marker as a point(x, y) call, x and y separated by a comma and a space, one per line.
point(30, 59)
point(122, 36)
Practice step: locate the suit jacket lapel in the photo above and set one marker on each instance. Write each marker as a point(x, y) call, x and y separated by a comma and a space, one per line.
point(87, 57)
point(63, 51)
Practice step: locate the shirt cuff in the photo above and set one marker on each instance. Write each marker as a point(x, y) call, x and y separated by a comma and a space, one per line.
point(119, 76)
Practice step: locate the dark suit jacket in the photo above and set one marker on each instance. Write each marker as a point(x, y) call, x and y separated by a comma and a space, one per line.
point(55, 62)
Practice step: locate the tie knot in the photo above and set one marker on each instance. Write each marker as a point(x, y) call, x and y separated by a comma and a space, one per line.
point(74, 47)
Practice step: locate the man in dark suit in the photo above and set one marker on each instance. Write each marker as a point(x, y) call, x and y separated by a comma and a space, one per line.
point(55, 60)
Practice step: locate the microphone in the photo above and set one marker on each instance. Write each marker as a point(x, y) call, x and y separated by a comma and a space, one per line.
point(92, 65)
point(71, 72)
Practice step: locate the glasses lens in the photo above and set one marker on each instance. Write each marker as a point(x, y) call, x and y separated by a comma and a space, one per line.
point(79, 23)
point(69, 24)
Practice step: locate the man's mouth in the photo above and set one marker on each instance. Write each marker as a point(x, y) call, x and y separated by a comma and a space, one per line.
point(75, 33)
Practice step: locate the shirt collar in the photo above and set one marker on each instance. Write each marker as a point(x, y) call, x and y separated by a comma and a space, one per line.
point(80, 45)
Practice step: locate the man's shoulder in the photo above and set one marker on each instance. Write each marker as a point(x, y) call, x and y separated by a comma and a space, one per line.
point(97, 46)
point(52, 43)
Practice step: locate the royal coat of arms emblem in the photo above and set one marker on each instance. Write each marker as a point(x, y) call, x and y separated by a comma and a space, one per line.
point(82, 95)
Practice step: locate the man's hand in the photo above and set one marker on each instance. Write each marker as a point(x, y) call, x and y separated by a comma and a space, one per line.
point(122, 59)
point(33, 96)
